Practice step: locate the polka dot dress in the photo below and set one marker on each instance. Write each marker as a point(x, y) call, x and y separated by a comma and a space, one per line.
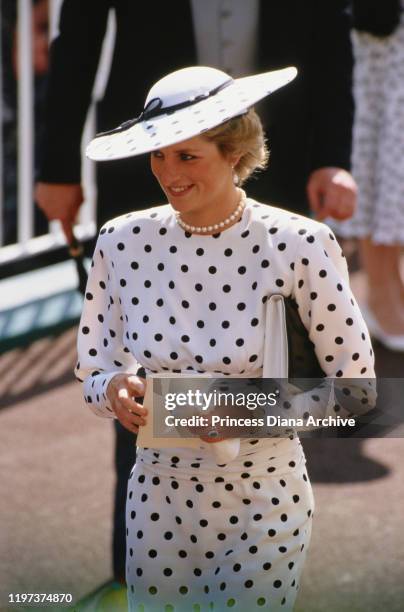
point(202, 536)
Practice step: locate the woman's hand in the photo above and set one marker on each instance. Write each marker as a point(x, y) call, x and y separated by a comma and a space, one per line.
point(121, 391)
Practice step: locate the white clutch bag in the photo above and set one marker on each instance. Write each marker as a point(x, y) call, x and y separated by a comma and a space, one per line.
point(276, 353)
point(275, 366)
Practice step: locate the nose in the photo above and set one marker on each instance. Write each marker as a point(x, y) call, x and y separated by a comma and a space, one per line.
point(169, 171)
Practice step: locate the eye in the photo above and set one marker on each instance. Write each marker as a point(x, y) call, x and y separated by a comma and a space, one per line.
point(186, 156)
point(157, 154)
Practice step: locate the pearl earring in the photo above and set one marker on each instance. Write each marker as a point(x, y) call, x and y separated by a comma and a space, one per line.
point(236, 178)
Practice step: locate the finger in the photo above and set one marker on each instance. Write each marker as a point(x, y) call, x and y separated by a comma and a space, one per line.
point(131, 406)
point(130, 410)
point(332, 201)
point(67, 230)
point(123, 393)
point(136, 421)
point(212, 440)
point(349, 202)
point(343, 206)
point(128, 420)
point(137, 385)
point(343, 212)
point(129, 426)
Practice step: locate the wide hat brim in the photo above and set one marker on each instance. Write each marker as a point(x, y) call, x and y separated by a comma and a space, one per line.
point(168, 129)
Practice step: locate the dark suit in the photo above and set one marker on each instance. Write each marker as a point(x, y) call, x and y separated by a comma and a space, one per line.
point(308, 122)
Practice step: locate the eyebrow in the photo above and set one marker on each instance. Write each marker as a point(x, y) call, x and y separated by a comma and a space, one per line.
point(183, 150)
point(187, 150)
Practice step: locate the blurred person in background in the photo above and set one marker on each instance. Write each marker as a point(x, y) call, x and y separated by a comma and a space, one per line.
point(378, 163)
point(309, 126)
point(40, 56)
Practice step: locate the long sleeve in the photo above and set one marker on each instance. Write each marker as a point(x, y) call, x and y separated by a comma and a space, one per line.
point(331, 316)
point(328, 308)
point(336, 327)
point(74, 57)
point(101, 342)
point(328, 311)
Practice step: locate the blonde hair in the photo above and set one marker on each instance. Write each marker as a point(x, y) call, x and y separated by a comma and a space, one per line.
point(244, 136)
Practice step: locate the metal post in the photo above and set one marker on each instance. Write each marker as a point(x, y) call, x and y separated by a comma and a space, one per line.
point(1, 140)
point(25, 209)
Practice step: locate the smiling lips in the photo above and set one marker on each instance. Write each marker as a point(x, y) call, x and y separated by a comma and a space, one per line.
point(180, 190)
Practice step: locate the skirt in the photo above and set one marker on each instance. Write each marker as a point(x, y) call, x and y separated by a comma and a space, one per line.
point(207, 537)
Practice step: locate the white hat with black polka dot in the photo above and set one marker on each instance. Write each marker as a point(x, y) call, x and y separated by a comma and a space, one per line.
point(184, 104)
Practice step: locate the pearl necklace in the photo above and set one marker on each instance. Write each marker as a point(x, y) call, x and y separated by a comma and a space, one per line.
point(202, 229)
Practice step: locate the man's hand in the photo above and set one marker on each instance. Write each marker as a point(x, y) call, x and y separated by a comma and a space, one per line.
point(60, 201)
point(332, 193)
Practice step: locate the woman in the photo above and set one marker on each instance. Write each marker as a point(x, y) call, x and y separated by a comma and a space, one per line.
point(182, 287)
point(378, 163)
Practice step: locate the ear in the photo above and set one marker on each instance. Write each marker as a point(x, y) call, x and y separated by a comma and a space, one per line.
point(234, 159)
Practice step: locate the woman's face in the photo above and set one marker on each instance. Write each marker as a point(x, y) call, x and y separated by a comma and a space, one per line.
point(194, 175)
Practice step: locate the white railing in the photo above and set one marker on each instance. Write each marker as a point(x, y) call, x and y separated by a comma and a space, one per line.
point(28, 245)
